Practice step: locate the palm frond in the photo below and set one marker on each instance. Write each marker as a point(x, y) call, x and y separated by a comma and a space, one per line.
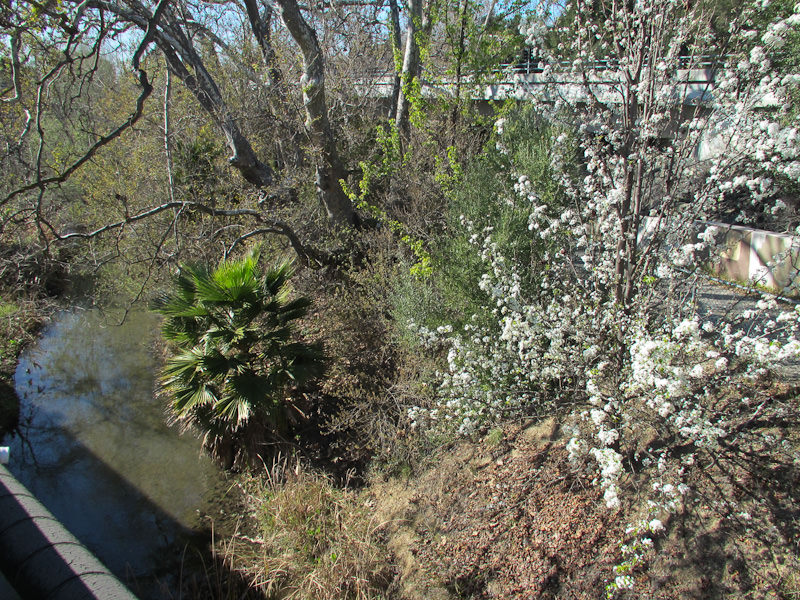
point(187, 399)
point(183, 332)
point(295, 309)
point(239, 279)
point(276, 277)
point(183, 366)
point(234, 329)
point(245, 393)
point(209, 292)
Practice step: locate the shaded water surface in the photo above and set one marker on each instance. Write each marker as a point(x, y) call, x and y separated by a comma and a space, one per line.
point(95, 449)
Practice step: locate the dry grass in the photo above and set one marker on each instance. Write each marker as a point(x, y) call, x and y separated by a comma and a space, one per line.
point(312, 540)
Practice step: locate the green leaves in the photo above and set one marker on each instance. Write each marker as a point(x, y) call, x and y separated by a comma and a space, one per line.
point(234, 353)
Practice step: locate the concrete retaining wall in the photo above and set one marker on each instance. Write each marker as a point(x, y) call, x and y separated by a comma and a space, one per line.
point(761, 257)
point(747, 256)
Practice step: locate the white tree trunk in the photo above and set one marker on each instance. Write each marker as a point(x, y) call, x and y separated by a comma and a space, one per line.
point(329, 167)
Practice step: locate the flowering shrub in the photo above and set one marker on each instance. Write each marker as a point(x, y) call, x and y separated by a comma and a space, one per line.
point(484, 195)
point(606, 323)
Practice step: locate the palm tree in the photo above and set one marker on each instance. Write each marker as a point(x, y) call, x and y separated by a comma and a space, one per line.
point(234, 353)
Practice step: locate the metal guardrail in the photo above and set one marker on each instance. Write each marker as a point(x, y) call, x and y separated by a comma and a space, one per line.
point(692, 70)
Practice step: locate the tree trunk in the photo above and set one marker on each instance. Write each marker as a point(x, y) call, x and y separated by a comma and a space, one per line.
point(260, 24)
point(243, 157)
point(164, 28)
point(461, 52)
point(411, 66)
point(394, 13)
point(178, 53)
point(330, 169)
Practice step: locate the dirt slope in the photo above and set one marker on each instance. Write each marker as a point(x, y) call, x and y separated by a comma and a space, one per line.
point(508, 517)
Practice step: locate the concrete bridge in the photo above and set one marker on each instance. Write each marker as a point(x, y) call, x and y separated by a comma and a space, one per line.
point(692, 90)
point(748, 256)
point(526, 80)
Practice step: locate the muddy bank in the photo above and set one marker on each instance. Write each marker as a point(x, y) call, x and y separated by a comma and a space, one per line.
point(20, 323)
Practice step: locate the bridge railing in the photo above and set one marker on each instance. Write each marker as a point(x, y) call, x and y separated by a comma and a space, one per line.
point(700, 68)
point(41, 559)
point(532, 64)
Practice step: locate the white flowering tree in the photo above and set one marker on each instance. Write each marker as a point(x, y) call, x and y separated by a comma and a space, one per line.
point(665, 134)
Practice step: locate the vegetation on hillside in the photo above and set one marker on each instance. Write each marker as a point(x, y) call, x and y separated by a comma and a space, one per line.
point(523, 391)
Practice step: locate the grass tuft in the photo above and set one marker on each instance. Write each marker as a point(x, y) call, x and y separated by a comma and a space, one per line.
point(313, 539)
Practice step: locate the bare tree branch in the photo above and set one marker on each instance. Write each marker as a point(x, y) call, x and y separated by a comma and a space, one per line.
point(41, 183)
point(260, 23)
point(149, 34)
point(308, 256)
point(181, 55)
point(394, 15)
point(15, 68)
point(419, 23)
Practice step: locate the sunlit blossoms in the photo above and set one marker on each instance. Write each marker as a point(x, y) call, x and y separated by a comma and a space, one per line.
point(608, 319)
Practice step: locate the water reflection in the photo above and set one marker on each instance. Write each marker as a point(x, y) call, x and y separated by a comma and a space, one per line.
point(94, 446)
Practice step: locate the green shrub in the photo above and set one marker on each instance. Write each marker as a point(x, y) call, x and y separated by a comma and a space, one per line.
point(20, 321)
point(485, 197)
point(234, 352)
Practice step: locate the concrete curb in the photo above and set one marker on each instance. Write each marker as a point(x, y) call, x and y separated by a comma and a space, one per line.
point(41, 559)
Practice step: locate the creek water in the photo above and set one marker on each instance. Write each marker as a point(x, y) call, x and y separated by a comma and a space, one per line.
point(94, 447)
